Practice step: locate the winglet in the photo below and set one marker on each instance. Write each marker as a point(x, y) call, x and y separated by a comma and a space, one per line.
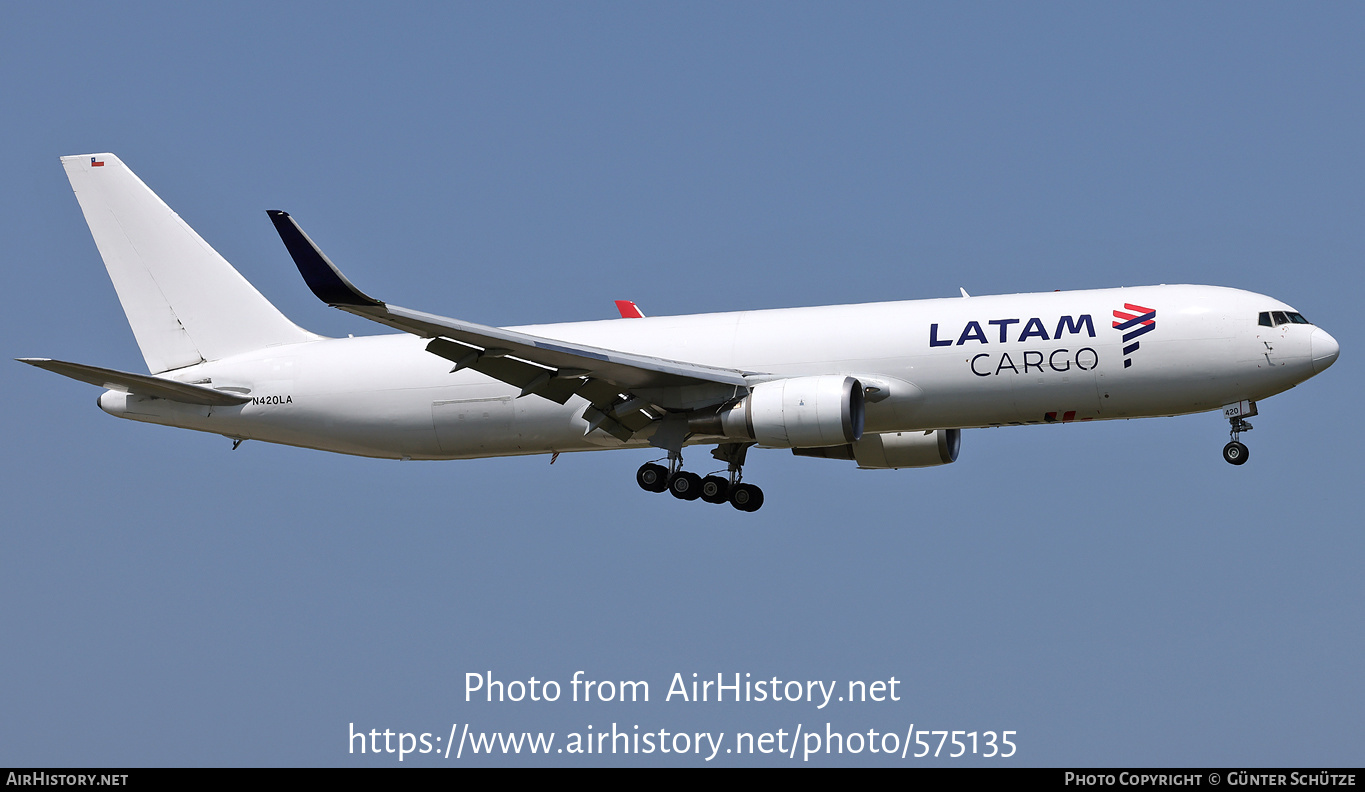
point(629, 310)
point(318, 271)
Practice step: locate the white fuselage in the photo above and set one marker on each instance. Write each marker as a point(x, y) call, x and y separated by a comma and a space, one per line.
point(934, 364)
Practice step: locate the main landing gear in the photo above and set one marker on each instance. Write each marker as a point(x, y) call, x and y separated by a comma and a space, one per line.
point(686, 485)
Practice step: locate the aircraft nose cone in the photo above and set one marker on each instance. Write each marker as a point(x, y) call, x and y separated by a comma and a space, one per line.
point(1325, 349)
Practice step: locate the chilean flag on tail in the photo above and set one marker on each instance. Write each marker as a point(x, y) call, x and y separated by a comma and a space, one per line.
point(1137, 321)
point(96, 162)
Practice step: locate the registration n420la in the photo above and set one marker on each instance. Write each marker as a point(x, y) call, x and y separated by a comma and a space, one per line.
point(883, 385)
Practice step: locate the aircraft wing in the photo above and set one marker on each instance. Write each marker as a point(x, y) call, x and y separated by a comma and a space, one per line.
point(610, 380)
point(140, 384)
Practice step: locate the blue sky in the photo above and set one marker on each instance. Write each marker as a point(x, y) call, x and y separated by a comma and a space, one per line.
point(1114, 593)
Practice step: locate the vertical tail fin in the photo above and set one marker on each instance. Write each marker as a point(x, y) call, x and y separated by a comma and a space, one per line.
point(186, 303)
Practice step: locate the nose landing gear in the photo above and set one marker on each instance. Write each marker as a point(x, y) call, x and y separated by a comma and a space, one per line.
point(685, 485)
point(1235, 452)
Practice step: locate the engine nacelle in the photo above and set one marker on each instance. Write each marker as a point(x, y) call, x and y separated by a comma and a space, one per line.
point(895, 449)
point(798, 412)
point(908, 449)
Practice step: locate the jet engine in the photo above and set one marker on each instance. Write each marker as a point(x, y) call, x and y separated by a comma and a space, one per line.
point(895, 449)
point(800, 412)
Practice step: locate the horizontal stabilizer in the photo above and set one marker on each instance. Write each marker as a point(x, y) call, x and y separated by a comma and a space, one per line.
point(139, 384)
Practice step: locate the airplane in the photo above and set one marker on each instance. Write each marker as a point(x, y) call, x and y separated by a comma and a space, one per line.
point(883, 385)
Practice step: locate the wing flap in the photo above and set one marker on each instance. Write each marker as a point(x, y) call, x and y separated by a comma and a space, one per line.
point(557, 385)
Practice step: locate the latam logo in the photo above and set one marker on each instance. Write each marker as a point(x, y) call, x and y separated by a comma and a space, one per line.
point(1033, 328)
point(1135, 321)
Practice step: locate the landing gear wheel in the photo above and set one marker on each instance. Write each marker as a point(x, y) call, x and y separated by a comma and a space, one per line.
point(715, 489)
point(1236, 453)
point(652, 477)
point(685, 485)
point(746, 497)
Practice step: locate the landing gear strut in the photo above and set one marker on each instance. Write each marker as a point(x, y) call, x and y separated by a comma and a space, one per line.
point(686, 485)
point(745, 497)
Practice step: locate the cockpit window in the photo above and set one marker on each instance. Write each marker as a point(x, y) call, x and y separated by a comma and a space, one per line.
point(1277, 318)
